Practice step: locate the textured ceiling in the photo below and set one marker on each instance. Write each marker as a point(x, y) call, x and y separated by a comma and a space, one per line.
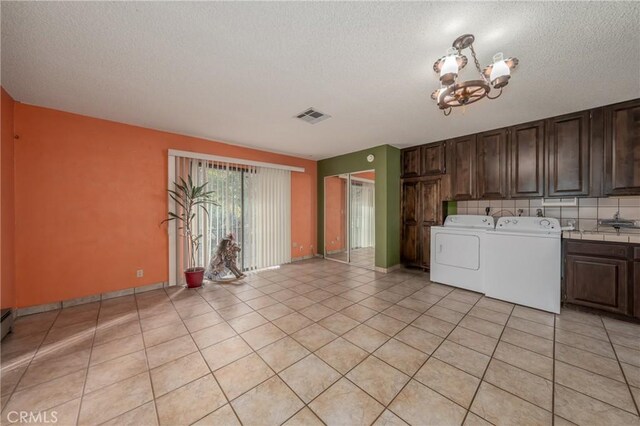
point(238, 72)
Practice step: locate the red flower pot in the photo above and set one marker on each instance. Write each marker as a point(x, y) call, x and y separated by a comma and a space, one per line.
point(194, 277)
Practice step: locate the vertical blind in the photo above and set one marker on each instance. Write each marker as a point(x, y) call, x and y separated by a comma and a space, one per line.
point(251, 202)
point(362, 214)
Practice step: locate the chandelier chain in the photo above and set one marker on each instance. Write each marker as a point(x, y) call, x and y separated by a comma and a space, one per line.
point(475, 59)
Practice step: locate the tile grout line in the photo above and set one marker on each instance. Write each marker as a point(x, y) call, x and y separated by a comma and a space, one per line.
point(553, 374)
point(31, 360)
point(635, 403)
point(146, 360)
point(86, 376)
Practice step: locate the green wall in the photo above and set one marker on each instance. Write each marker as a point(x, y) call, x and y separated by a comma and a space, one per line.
point(387, 192)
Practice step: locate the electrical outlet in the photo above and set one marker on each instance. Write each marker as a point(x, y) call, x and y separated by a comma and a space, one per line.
point(139, 273)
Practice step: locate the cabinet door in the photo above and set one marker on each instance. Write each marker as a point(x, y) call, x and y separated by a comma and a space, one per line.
point(568, 155)
point(622, 149)
point(597, 282)
point(431, 204)
point(425, 249)
point(431, 214)
point(636, 289)
point(527, 161)
point(464, 168)
point(492, 164)
point(433, 159)
point(411, 162)
point(410, 225)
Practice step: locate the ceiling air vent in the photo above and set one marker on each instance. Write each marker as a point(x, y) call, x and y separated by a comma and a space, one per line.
point(312, 116)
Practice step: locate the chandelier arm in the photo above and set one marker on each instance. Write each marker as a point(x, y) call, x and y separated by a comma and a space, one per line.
point(446, 114)
point(475, 59)
point(495, 97)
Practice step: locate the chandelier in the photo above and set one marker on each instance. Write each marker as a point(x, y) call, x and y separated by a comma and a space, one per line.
point(453, 93)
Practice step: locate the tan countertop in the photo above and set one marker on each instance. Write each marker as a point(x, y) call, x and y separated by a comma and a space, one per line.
point(622, 237)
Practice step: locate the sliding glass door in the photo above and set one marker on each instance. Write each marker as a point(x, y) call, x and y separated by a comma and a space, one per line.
point(251, 202)
point(349, 218)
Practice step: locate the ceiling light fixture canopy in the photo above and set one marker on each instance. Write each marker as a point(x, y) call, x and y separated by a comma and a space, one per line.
point(453, 93)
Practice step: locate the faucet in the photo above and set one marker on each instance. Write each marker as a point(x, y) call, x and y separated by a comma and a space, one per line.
point(539, 213)
point(616, 216)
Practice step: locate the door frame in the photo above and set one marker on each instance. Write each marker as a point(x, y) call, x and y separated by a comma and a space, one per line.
point(348, 215)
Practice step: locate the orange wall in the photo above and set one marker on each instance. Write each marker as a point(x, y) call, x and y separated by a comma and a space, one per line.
point(90, 195)
point(365, 175)
point(336, 209)
point(7, 212)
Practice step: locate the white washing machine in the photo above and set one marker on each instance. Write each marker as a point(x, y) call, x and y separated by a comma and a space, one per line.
point(458, 250)
point(524, 262)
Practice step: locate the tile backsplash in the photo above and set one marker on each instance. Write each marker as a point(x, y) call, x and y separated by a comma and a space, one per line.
point(584, 216)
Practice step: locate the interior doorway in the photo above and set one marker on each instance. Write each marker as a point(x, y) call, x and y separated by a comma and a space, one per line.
point(349, 218)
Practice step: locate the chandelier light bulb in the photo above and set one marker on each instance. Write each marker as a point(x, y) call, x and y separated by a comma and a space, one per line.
point(500, 72)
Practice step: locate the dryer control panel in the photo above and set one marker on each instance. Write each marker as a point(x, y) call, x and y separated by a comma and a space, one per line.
point(469, 221)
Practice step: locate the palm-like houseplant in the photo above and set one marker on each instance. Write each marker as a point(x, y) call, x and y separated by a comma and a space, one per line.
point(190, 198)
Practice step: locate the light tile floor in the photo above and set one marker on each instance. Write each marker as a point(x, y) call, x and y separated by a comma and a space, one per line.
point(320, 342)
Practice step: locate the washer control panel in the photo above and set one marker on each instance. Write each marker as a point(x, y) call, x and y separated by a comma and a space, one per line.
point(544, 225)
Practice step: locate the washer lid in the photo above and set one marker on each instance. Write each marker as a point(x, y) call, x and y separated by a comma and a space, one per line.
point(533, 225)
point(469, 221)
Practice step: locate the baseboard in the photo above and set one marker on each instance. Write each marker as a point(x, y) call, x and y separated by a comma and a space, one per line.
point(298, 259)
point(36, 309)
point(387, 270)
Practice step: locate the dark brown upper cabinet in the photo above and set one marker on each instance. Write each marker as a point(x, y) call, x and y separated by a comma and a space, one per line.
point(526, 168)
point(464, 168)
point(433, 159)
point(411, 162)
point(492, 164)
point(568, 155)
point(622, 148)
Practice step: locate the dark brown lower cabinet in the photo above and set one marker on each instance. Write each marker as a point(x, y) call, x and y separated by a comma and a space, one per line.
point(409, 244)
point(603, 275)
point(636, 289)
point(597, 282)
point(425, 250)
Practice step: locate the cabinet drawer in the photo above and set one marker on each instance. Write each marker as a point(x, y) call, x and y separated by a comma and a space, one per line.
point(598, 249)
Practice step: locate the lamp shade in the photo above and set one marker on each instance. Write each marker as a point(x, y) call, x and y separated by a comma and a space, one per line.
point(450, 68)
point(500, 72)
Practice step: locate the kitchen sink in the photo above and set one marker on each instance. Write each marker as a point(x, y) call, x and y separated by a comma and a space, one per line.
point(618, 224)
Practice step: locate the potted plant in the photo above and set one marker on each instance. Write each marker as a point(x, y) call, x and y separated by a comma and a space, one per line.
point(189, 198)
